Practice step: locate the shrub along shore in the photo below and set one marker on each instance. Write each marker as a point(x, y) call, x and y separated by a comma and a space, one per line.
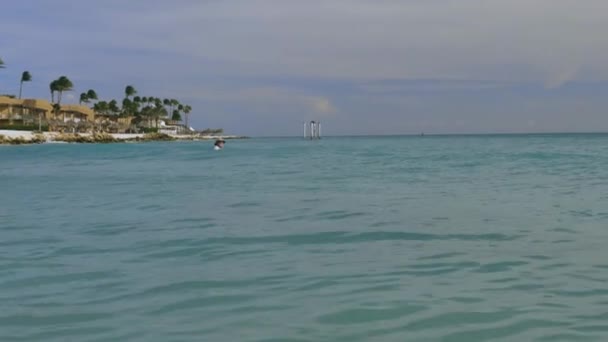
point(24, 137)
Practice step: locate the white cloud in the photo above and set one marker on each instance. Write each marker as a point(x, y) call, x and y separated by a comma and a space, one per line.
point(514, 40)
point(382, 39)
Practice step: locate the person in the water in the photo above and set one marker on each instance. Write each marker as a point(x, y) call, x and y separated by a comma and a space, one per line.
point(219, 144)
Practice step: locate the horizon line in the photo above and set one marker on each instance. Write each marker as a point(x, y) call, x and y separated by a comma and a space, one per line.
point(437, 134)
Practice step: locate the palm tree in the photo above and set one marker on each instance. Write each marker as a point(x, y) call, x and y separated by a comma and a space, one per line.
point(167, 103)
point(63, 84)
point(59, 85)
point(145, 115)
point(53, 87)
point(92, 95)
point(56, 108)
point(130, 107)
point(187, 110)
point(159, 112)
point(101, 107)
point(135, 107)
point(83, 98)
point(130, 91)
point(25, 77)
point(176, 116)
point(158, 104)
point(113, 107)
point(170, 103)
point(1, 64)
point(126, 106)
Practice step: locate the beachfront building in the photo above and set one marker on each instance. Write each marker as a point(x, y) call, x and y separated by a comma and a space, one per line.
point(69, 117)
point(36, 109)
point(9, 109)
point(171, 127)
point(77, 118)
point(72, 118)
point(75, 113)
point(23, 112)
point(113, 123)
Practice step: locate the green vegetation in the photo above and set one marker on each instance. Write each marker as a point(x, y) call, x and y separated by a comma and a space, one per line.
point(146, 111)
point(61, 85)
point(212, 131)
point(187, 110)
point(22, 127)
point(88, 96)
point(130, 91)
point(25, 77)
point(92, 95)
point(176, 115)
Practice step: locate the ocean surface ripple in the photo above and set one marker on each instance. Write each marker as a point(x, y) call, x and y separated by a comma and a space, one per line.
point(436, 238)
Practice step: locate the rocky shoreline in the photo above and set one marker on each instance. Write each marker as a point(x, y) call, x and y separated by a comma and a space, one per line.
point(9, 137)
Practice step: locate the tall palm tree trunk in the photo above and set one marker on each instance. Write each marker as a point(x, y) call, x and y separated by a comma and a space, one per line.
point(20, 89)
point(59, 106)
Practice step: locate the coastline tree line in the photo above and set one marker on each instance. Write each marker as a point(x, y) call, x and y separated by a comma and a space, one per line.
point(142, 108)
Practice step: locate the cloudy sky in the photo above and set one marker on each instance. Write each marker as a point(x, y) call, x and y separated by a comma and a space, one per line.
point(261, 67)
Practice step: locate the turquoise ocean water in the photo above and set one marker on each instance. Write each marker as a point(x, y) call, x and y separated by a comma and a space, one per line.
point(453, 238)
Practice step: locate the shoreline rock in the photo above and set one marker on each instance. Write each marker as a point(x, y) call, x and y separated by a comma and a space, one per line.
point(19, 140)
point(9, 137)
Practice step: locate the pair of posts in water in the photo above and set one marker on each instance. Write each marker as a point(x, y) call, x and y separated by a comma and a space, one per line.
point(312, 130)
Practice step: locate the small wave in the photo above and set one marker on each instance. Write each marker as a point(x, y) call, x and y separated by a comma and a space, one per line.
point(345, 237)
point(508, 331)
point(200, 303)
point(366, 315)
